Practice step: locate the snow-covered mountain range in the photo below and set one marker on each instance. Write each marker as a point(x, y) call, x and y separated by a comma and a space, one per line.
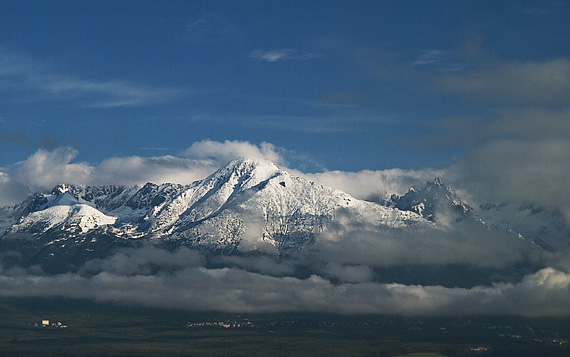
point(248, 205)
point(214, 211)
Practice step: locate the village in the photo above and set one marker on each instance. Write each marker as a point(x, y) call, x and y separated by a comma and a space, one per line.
point(47, 323)
point(224, 324)
point(523, 332)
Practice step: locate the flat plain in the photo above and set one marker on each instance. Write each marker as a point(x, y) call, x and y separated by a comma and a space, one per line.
point(86, 328)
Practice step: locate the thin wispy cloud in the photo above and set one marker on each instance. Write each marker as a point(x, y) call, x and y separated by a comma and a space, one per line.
point(544, 9)
point(529, 83)
point(212, 29)
point(109, 94)
point(440, 60)
point(16, 138)
point(283, 54)
point(325, 123)
point(21, 75)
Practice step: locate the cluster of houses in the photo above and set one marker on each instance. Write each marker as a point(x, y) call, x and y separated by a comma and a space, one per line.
point(225, 324)
point(479, 348)
point(46, 323)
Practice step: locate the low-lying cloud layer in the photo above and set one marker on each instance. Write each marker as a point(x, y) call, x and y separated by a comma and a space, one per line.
point(340, 273)
point(184, 283)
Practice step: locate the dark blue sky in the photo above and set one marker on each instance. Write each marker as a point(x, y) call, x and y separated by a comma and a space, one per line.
point(341, 85)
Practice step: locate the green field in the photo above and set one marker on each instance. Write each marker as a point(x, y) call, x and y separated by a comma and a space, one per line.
point(97, 329)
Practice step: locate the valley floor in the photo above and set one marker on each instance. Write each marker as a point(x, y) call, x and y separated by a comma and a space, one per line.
point(83, 328)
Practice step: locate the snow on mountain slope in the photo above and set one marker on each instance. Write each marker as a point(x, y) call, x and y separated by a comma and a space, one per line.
point(250, 204)
point(246, 206)
point(248, 199)
point(546, 227)
point(64, 212)
point(435, 202)
point(255, 197)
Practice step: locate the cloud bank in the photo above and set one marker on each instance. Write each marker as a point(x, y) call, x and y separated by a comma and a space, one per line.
point(366, 184)
point(523, 141)
point(44, 169)
point(189, 285)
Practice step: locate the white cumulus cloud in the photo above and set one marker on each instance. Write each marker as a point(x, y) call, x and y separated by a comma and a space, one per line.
point(45, 169)
point(223, 152)
point(368, 183)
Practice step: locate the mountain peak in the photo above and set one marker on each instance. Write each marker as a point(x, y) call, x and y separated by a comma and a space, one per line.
point(435, 198)
point(252, 164)
point(439, 185)
point(438, 182)
point(60, 189)
point(248, 204)
point(245, 172)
